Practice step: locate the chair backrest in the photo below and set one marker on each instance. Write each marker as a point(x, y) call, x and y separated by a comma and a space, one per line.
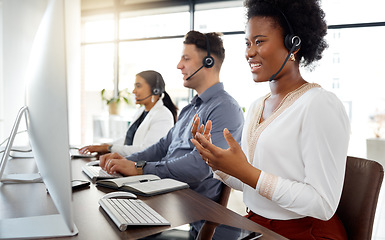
point(225, 194)
point(357, 207)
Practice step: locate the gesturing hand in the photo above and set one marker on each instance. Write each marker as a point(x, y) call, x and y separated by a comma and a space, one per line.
point(205, 131)
point(231, 161)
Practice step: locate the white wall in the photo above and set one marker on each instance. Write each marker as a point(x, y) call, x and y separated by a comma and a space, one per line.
point(73, 31)
point(20, 20)
point(1, 76)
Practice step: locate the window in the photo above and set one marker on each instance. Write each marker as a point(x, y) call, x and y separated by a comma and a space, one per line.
point(99, 29)
point(144, 42)
point(160, 55)
point(153, 25)
point(336, 83)
point(214, 18)
point(353, 11)
point(152, 39)
point(358, 75)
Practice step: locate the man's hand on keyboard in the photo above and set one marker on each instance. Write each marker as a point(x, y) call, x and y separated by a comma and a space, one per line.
point(115, 163)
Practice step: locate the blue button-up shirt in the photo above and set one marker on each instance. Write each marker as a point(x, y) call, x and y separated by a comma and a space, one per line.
point(174, 156)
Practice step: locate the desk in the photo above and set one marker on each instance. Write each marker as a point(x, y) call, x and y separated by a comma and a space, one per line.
point(179, 207)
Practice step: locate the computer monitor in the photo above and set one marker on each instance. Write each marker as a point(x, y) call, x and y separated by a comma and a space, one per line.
point(47, 125)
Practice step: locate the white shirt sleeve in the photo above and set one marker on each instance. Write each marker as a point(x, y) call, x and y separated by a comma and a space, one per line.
point(230, 181)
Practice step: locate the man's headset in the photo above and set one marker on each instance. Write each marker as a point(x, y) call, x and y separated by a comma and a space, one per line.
point(292, 43)
point(208, 61)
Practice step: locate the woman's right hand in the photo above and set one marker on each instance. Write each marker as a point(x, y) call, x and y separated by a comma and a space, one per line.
point(231, 161)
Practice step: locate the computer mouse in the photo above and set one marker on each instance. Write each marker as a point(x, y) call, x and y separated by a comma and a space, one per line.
point(93, 163)
point(119, 194)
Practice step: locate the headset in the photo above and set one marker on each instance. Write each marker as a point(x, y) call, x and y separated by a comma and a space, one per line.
point(157, 89)
point(208, 61)
point(292, 42)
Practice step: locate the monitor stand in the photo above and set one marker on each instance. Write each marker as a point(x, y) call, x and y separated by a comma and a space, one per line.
point(44, 226)
point(16, 178)
point(21, 178)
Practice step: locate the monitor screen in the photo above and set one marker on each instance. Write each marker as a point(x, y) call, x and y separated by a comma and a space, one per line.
point(47, 124)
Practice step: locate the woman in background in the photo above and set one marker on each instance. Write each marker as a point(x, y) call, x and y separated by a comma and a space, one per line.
point(291, 165)
point(152, 121)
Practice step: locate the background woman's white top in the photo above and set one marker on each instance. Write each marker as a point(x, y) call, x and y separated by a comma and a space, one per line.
point(156, 125)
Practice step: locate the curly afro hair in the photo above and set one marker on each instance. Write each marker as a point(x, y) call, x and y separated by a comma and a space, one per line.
point(306, 19)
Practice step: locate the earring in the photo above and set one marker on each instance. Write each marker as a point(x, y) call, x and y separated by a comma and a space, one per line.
point(152, 98)
point(292, 57)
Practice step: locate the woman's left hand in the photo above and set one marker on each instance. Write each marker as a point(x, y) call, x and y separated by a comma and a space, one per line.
point(100, 149)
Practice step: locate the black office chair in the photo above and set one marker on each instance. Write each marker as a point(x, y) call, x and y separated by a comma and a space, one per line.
point(357, 207)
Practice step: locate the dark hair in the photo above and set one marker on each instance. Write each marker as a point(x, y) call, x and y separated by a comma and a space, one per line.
point(155, 80)
point(306, 18)
point(216, 44)
point(170, 105)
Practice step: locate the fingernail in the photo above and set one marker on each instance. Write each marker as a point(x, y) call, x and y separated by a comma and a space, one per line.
point(226, 131)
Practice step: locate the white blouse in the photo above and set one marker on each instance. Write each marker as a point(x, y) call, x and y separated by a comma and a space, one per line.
point(301, 150)
point(155, 125)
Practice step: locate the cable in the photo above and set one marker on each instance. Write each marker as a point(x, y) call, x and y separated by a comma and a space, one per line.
point(8, 137)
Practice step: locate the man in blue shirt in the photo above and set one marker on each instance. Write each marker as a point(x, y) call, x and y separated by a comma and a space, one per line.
point(174, 156)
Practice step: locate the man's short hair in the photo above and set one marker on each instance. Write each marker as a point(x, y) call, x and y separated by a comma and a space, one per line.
point(215, 41)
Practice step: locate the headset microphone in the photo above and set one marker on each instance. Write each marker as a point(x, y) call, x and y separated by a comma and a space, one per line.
point(208, 61)
point(144, 98)
point(291, 41)
point(194, 73)
point(296, 43)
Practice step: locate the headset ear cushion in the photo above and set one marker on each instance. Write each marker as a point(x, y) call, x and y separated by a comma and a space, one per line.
point(208, 62)
point(155, 91)
point(291, 39)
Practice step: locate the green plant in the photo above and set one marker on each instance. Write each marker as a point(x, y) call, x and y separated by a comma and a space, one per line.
point(109, 97)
